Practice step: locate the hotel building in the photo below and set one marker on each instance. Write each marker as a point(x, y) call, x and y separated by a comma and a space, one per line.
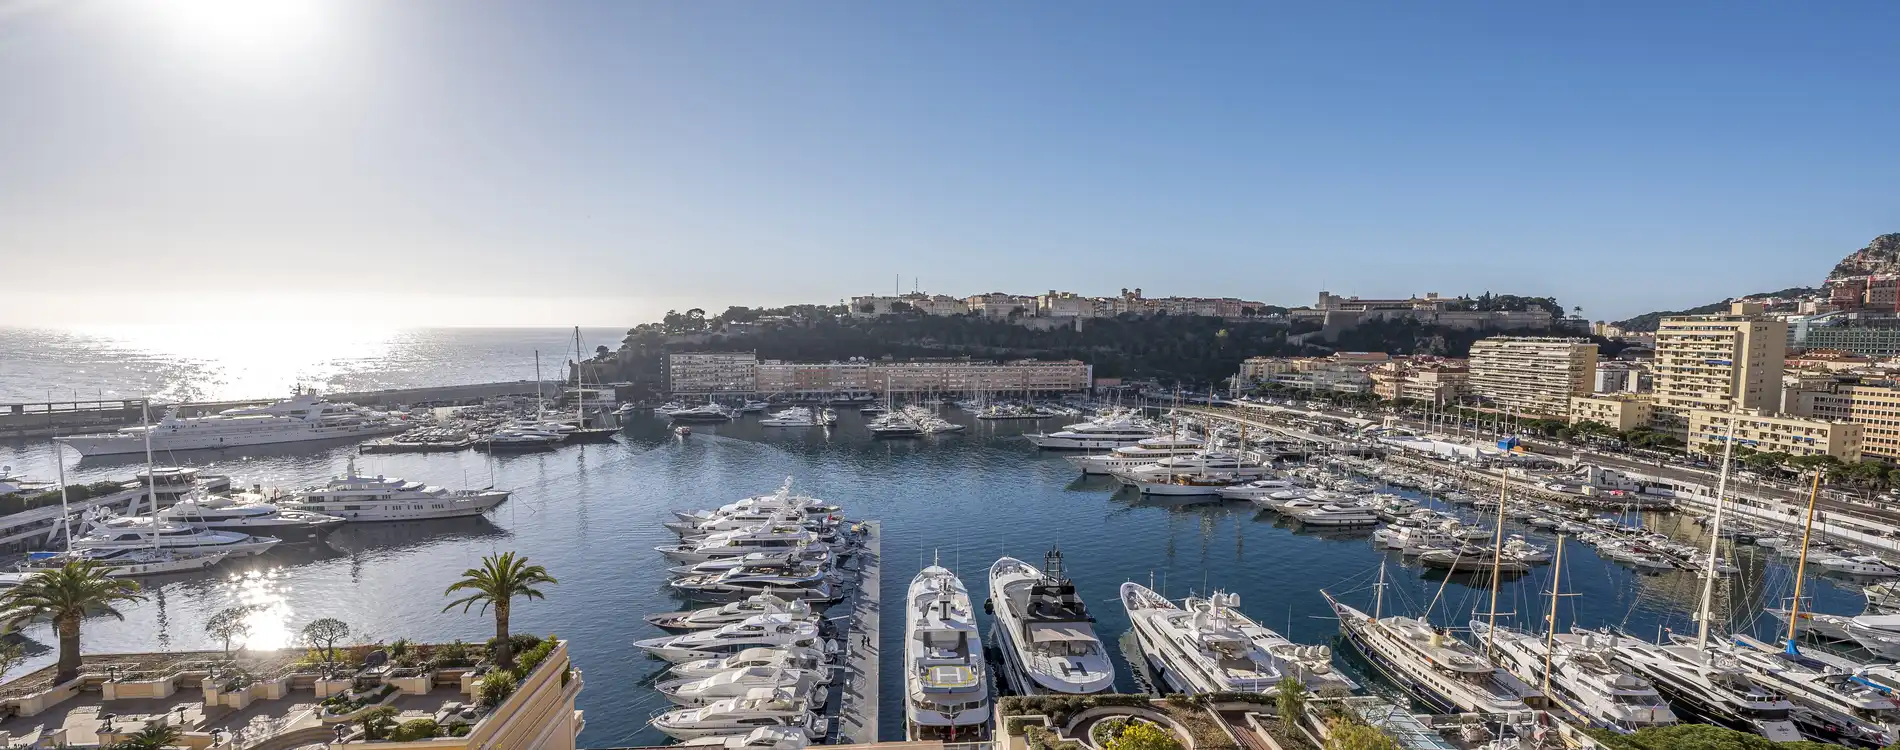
point(1715, 362)
point(1769, 433)
point(705, 374)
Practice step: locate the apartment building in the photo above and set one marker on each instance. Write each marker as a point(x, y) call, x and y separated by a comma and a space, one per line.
point(1770, 433)
point(1871, 401)
point(1260, 369)
point(1532, 374)
point(1715, 362)
point(712, 372)
point(1619, 411)
point(1428, 382)
point(1622, 377)
point(940, 376)
point(1000, 305)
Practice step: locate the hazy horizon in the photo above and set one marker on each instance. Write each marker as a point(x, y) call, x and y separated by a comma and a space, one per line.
point(481, 163)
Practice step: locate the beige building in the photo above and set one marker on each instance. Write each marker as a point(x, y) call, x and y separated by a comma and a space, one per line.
point(941, 376)
point(1621, 412)
point(1715, 362)
point(1428, 382)
point(1799, 436)
point(1260, 369)
point(1000, 305)
point(1873, 403)
point(929, 304)
point(1532, 375)
point(712, 372)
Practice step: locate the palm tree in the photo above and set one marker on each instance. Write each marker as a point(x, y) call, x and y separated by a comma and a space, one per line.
point(152, 738)
point(496, 583)
point(65, 596)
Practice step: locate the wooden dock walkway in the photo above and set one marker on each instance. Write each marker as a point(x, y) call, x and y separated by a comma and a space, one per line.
point(857, 710)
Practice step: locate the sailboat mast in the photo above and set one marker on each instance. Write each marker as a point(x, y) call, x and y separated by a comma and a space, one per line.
point(1497, 573)
point(538, 414)
point(1800, 569)
point(1715, 539)
point(1378, 594)
point(580, 402)
point(65, 514)
point(1550, 633)
point(151, 478)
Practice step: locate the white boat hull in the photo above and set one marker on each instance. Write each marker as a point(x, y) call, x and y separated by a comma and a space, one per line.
point(119, 444)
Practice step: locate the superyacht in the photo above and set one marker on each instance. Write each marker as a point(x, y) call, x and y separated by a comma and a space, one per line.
point(250, 514)
point(947, 690)
point(1210, 647)
point(109, 533)
point(701, 691)
point(1096, 434)
point(379, 498)
point(1044, 631)
point(1580, 675)
point(1142, 453)
point(1438, 670)
point(762, 631)
point(301, 418)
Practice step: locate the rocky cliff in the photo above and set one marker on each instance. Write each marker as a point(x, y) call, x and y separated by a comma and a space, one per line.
point(1878, 257)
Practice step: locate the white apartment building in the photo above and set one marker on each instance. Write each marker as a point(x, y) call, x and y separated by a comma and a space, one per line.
point(1532, 375)
point(1718, 362)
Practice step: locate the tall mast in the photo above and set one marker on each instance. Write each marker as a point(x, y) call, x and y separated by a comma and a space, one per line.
point(1497, 572)
point(151, 478)
point(1550, 634)
point(580, 402)
point(1715, 538)
point(1378, 594)
point(537, 386)
point(1807, 529)
point(65, 515)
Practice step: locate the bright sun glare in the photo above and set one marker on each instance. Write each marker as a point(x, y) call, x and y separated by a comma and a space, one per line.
point(254, 29)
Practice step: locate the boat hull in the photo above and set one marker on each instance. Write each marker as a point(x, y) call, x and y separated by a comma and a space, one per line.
point(116, 444)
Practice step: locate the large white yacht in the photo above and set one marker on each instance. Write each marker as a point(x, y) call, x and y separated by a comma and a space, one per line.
point(768, 631)
point(947, 695)
point(783, 657)
point(729, 613)
point(380, 498)
point(797, 416)
point(764, 707)
point(763, 738)
point(1142, 453)
point(250, 514)
point(1712, 691)
point(1096, 434)
point(742, 542)
point(1433, 667)
point(783, 499)
point(797, 580)
point(127, 562)
point(108, 533)
point(1204, 462)
point(1210, 647)
point(301, 418)
point(1584, 679)
point(737, 683)
point(1044, 631)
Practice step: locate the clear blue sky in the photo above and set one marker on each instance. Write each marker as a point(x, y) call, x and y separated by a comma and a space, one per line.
point(600, 162)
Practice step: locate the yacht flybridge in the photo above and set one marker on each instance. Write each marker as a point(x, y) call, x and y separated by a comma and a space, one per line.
point(947, 695)
point(1210, 647)
point(303, 417)
point(1044, 630)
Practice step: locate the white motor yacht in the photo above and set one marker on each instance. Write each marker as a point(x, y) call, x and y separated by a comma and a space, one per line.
point(1584, 679)
point(127, 562)
point(795, 557)
point(1855, 565)
point(739, 519)
point(1430, 665)
point(1142, 453)
point(1044, 631)
point(742, 542)
point(947, 693)
point(1095, 434)
point(303, 417)
point(731, 612)
point(250, 514)
point(1257, 489)
point(781, 500)
point(707, 412)
point(1210, 647)
point(1205, 462)
point(738, 683)
point(765, 707)
point(759, 631)
point(776, 657)
point(109, 533)
point(797, 416)
point(1822, 682)
point(763, 738)
point(808, 582)
point(363, 499)
point(1336, 514)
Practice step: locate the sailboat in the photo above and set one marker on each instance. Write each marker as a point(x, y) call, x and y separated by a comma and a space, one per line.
point(1699, 686)
point(125, 562)
point(581, 432)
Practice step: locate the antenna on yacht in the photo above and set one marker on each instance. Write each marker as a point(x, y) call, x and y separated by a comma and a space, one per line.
point(1794, 608)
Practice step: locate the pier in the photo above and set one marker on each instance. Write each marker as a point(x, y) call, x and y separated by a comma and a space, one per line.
point(53, 418)
point(857, 707)
point(49, 418)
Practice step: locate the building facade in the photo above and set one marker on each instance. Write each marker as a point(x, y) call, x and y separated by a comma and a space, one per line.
point(929, 304)
point(1714, 362)
point(1427, 382)
point(1532, 375)
point(1621, 411)
point(1873, 402)
point(1769, 433)
point(1033, 377)
point(712, 372)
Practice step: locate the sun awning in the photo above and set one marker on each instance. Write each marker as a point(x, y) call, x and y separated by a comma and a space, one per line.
point(1055, 632)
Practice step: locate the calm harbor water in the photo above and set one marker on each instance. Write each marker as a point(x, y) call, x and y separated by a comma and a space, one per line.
point(235, 360)
point(591, 514)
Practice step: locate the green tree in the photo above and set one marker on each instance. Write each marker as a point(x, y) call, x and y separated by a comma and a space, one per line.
point(152, 738)
point(1290, 697)
point(378, 722)
point(1141, 735)
point(11, 655)
point(325, 633)
point(65, 596)
point(496, 584)
point(230, 624)
point(1356, 736)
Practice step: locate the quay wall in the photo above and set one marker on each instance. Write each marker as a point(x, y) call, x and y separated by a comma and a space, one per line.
point(68, 417)
point(49, 419)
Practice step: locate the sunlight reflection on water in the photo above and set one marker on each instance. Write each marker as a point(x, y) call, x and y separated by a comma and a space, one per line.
point(269, 621)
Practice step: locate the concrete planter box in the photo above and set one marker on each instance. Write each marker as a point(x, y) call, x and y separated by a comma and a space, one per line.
point(276, 689)
point(37, 703)
point(129, 689)
point(326, 688)
point(415, 685)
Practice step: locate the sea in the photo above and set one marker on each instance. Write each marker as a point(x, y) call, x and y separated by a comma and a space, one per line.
point(591, 514)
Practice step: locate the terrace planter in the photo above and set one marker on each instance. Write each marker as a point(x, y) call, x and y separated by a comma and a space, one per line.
point(331, 686)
